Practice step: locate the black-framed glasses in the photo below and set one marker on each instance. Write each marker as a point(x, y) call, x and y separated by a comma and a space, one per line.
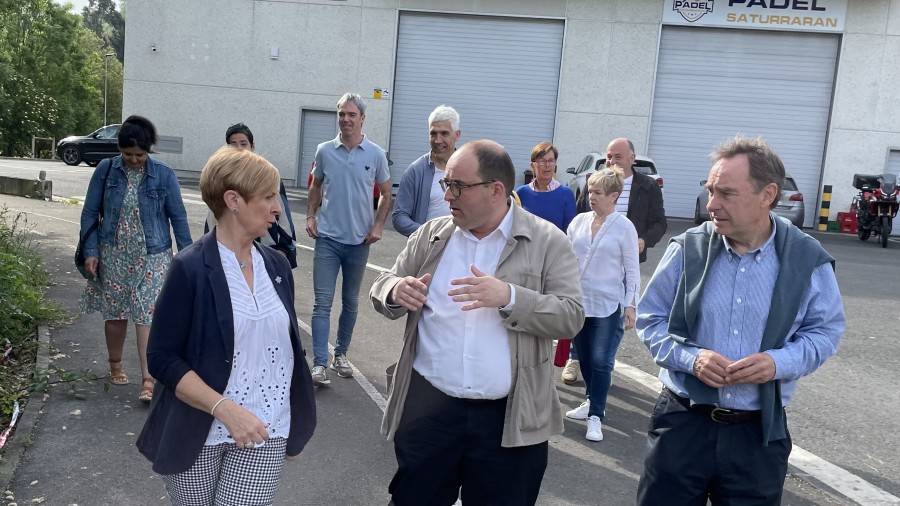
point(456, 187)
point(543, 162)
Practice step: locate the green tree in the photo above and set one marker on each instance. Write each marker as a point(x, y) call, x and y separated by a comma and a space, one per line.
point(102, 18)
point(51, 75)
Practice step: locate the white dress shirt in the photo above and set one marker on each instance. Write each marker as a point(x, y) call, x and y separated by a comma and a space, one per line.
point(610, 275)
point(465, 353)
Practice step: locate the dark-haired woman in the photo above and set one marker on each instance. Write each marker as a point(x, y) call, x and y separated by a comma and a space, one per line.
point(139, 202)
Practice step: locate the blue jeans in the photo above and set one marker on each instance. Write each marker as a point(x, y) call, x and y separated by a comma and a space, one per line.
point(597, 343)
point(329, 258)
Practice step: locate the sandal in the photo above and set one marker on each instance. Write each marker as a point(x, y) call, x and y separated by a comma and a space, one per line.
point(146, 394)
point(117, 374)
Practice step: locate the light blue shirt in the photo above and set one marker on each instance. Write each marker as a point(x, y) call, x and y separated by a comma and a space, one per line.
point(346, 213)
point(736, 300)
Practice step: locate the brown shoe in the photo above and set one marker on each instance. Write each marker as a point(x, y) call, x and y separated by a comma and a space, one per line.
point(117, 374)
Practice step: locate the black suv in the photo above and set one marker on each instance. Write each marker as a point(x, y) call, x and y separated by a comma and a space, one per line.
point(91, 148)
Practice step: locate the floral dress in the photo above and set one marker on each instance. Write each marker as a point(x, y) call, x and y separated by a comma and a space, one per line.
point(130, 279)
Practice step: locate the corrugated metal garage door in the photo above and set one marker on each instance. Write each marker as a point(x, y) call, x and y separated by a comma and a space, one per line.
point(714, 83)
point(316, 127)
point(501, 74)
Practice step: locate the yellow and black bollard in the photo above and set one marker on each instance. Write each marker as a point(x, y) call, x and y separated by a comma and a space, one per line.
point(826, 205)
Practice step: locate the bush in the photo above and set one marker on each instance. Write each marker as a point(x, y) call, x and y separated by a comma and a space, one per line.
point(23, 281)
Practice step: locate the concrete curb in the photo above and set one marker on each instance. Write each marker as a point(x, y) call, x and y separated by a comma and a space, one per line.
point(30, 159)
point(28, 418)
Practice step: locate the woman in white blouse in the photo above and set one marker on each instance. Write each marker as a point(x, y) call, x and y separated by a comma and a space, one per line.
point(234, 397)
point(606, 245)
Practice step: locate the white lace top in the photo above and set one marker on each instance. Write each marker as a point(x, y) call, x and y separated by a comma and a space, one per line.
point(263, 360)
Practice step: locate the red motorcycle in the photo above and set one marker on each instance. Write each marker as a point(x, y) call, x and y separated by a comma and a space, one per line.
point(876, 205)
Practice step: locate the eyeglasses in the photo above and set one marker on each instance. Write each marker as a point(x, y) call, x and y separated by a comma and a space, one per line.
point(544, 163)
point(456, 187)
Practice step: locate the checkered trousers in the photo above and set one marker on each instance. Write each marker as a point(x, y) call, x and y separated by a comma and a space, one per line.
point(227, 475)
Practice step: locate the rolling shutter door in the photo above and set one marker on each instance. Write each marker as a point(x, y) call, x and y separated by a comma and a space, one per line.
point(500, 74)
point(714, 83)
point(316, 128)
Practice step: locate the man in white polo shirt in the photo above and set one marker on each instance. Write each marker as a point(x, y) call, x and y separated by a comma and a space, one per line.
point(485, 290)
point(341, 220)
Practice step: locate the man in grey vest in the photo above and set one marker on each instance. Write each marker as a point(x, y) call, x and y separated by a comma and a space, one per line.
point(736, 312)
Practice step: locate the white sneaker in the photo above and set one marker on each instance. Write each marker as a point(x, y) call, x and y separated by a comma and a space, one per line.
point(342, 365)
point(319, 377)
point(570, 373)
point(581, 412)
point(593, 431)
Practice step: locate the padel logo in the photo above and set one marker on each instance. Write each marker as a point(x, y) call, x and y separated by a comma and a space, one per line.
point(692, 11)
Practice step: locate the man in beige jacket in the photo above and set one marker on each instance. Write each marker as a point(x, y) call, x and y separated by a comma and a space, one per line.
point(486, 290)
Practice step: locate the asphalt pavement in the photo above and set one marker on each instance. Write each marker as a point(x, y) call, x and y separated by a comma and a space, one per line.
point(75, 445)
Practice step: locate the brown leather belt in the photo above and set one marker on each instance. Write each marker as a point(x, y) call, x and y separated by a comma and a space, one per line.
point(716, 414)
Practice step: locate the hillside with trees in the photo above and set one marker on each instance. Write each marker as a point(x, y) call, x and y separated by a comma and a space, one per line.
point(52, 71)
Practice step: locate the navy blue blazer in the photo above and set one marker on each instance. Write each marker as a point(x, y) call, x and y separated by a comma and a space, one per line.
point(193, 329)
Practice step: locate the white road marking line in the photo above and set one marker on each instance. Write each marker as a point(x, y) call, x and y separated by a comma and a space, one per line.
point(45, 216)
point(363, 382)
point(850, 485)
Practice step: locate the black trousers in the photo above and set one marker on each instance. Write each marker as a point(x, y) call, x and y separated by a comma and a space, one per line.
point(691, 458)
point(448, 447)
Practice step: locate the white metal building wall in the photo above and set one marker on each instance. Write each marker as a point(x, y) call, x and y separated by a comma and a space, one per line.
point(316, 127)
point(714, 83)
point(500, 74)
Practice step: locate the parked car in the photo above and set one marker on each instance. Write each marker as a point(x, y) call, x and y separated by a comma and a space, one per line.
point(595, 161)
point(790, 206)
point(90, 148)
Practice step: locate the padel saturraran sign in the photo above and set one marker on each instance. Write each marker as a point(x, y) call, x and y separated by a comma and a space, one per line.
point(791, 15)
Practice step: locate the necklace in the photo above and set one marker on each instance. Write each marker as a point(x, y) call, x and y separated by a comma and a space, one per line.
point(243, 264)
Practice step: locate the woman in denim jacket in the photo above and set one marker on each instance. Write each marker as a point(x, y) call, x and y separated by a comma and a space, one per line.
point(137, 200)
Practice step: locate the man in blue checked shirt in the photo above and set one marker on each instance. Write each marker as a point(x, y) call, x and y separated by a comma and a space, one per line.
point(737, 311)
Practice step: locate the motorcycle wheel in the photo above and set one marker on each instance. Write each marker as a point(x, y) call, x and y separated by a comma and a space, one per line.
point(864, 233)
point(885, 230)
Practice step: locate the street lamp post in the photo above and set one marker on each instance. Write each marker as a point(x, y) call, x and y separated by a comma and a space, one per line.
point(106, 86)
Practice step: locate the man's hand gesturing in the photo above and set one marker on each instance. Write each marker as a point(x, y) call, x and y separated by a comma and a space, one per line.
point(411, 292)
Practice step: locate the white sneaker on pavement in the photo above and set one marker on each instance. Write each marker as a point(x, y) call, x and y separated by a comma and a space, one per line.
point(581, 412)
point(341, 364)
point(570, 372)
point(594, 432)
point(319, 377)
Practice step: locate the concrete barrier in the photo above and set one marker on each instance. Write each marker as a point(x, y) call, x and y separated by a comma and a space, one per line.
point(30, 188)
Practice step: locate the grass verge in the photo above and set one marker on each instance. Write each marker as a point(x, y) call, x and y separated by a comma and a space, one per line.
point(23, 281)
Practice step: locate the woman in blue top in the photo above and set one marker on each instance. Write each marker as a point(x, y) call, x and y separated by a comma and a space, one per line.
point(137, 199)
point(544, 196)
